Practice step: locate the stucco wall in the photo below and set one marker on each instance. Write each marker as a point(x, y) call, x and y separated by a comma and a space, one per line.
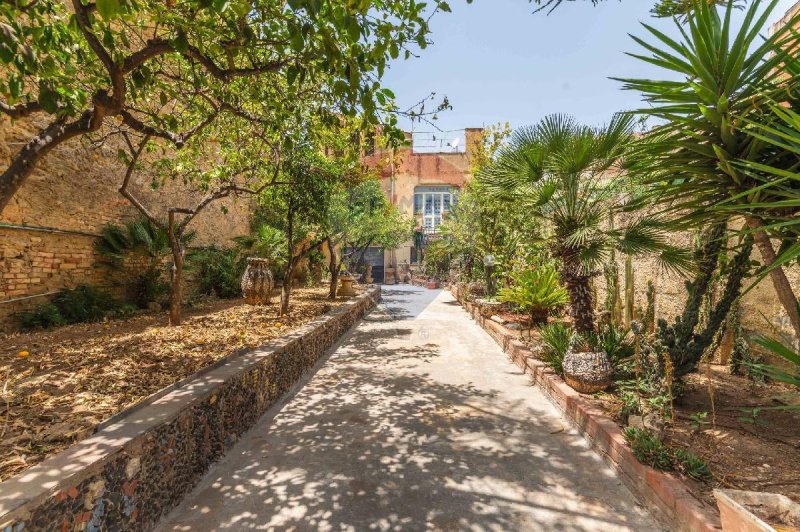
point(75, 189)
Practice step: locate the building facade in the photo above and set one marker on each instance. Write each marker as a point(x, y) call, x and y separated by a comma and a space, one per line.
point(422, 180)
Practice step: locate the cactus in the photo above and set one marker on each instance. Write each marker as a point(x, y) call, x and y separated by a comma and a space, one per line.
point(629, 290)
point(649, 318)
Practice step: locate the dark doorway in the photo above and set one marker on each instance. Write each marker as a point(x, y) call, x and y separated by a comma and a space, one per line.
point(374, 256)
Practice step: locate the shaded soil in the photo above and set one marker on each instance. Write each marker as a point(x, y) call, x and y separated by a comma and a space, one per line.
point(748, 443)
point(57, 386)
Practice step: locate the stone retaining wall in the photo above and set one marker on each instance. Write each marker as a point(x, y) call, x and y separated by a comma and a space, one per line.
point(140, 465)
point(670, 498)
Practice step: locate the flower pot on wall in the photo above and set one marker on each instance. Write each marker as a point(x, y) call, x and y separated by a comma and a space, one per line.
point(587, 372)
point(754, 511)
point(257, 282)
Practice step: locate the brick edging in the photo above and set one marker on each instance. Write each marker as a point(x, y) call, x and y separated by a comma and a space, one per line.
point(673, 498)
point(140, 464)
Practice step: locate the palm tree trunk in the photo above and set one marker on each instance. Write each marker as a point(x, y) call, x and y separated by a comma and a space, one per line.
point(580, 297)
point(780, 282)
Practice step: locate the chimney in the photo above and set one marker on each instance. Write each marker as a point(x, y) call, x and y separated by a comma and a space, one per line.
point(473, 136)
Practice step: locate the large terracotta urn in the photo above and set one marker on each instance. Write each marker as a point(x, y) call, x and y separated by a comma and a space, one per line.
point(587, 372)
point(257, 282)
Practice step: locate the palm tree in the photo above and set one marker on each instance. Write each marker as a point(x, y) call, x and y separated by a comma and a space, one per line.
point(572, 177)
point(140, 247)
point(705, 162)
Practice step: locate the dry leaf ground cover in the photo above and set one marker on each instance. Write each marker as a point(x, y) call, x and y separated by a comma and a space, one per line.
point(58, 385)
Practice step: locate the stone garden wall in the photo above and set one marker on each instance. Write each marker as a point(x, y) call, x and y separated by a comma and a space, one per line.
point(141, 463)
point(73, 194)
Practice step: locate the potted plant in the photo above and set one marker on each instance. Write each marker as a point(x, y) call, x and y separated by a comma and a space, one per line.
point(586, 369)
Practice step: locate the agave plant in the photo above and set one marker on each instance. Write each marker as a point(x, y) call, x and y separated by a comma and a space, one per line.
point(572, 177)
point(537, 292)
point(711, 157)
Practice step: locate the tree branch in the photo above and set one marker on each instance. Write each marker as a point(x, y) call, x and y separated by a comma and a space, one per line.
point(126, 181)
point(21, 109)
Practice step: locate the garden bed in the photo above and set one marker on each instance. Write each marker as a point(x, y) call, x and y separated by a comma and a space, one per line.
point(747, 442)
point(59, 385)
point(749, 445)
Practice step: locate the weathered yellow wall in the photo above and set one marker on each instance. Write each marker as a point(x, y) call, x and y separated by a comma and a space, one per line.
point(75, 188)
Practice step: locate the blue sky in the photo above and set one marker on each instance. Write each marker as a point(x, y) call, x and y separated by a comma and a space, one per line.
point(496, 61)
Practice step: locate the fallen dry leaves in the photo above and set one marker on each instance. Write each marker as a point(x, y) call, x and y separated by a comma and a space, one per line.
point(71, 379)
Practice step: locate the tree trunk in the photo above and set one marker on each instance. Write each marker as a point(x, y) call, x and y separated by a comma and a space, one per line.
point(24, 162)
point(176, 290)
point(333, 266)
point(286, 289)
point(580, 296)
point(781, 283)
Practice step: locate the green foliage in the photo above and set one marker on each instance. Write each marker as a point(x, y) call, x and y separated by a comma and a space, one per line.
point(481, 224)
point(791, 357)
point(615, 341)
point(41, 317)
point(217, 271)
point(138, 250)
point(690, 336)
point(145, 63)
point(266, 242)
point(648, 449)
point(718, 89)
point(361, 216)
point(571, 176)
point(692, 465)
point(537, 292)
point(556, 339)
point(436, 261)
point(698, 420)
point(82, 304)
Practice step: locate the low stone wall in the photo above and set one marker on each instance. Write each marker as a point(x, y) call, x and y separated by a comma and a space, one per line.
point(142, 462)
point(668, 495)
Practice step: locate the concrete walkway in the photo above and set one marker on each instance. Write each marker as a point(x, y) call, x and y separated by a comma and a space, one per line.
point(416, 421)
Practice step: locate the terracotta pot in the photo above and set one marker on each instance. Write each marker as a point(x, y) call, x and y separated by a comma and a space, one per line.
point(257, 282)
point(736, 516)
point(587, 372)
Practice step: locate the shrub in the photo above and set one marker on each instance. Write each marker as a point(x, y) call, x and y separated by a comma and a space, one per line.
point(42, 317)
point(614, 341)
point(139, 249)
point(82, 304)
point(692, 465)
point(648, 449)
point(556, 339)
point(217, 271)
point(536, 292)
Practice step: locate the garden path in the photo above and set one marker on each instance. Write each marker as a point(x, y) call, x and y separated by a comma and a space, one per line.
point(417, 420)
